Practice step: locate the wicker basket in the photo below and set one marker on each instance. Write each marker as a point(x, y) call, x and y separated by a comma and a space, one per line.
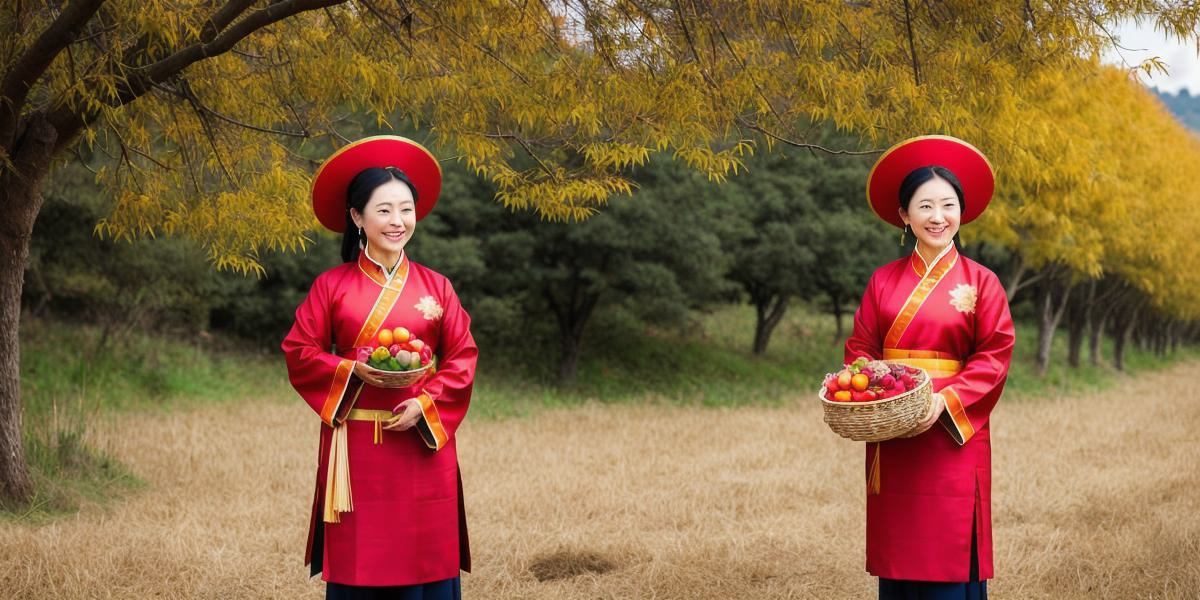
point(880, 420)
point(405, 378)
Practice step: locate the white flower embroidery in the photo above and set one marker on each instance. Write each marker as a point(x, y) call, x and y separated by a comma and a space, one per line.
point(430, 308)
point(963, 297)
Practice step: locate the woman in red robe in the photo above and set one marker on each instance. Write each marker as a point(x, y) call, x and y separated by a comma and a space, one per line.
point(929, 532)
point(387, 515)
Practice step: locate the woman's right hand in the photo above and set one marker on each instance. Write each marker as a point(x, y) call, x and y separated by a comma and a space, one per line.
point(379, 378)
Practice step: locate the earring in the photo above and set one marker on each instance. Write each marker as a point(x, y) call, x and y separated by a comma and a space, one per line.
point(903, 234)
point(361, 239)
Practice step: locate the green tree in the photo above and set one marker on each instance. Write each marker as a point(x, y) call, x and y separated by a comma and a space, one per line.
point(655, 255)
point(195, 102)
point(800, 229)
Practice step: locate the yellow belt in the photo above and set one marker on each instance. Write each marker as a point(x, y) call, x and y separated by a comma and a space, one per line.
point(937, 364)
point(376, 416)
point(338, 498)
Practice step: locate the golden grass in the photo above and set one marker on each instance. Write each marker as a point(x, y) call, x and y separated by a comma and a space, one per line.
point(1095, 497)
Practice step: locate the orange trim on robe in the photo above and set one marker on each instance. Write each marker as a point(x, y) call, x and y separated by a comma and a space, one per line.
point(337, 392)
point(957, 424)
point(430, 424)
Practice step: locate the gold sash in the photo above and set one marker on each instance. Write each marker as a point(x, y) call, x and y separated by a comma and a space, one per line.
point(937, 364)
point(338, 497)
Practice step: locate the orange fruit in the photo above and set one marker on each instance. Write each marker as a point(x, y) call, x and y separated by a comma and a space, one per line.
point(860, 381)
point(841, 396)
point(385, 337)
point(401, 335)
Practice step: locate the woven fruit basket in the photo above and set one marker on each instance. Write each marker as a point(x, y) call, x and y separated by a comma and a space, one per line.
point(404, 378)
point(880, 420)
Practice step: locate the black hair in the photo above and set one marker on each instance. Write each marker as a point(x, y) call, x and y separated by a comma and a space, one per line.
point(358, 193)
point(920, 176)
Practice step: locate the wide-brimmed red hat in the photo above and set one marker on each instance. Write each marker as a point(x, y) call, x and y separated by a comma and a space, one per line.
point(333, 178)
point(967, 163)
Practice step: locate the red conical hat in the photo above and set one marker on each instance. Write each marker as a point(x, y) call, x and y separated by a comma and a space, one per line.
point(333, 178)
point(967, 163)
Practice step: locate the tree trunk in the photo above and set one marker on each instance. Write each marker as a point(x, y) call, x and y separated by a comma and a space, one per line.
point(1122, 333)
point(1015, 278)
point(20, 201)
point(572, 313)
point(1051, 314)
point(1094, 336)
point(568, 364)
point(768, 314)
point(1077, 324)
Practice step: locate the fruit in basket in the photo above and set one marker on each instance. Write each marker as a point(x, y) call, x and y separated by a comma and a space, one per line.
point(867, 380)
point(831, 385)
point(385, 337)
point(860, 382)
point(402, 353)
point(844, 380)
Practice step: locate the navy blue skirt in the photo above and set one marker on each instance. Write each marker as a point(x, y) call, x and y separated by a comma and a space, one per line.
point(446, 589)
point(898, 589)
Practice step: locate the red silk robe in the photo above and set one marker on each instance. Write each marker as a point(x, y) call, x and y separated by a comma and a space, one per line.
point(407, 525)
point(925, 493)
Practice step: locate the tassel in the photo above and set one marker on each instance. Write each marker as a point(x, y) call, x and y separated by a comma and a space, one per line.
point(378, 439)
point(337, 479)
point(874, 478)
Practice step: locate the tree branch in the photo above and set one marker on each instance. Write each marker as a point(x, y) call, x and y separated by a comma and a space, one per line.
point(912, 46)
point(754, 127)
point(172, 65)
point(186, 92)
point(33, 63)
point(521, 141)
point(69, 122)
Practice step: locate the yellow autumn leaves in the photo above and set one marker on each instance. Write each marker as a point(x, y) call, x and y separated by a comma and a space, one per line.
point(554, 101)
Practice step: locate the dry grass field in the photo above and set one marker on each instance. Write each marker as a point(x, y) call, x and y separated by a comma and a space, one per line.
point(1095, 497)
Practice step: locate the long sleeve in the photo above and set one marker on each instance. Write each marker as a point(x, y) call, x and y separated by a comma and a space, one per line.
point(447, 394)
point(325, 380)
point(865, 339)
point(972, 392)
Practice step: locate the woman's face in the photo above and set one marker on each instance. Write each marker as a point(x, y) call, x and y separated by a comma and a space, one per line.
point(388, 220)
point(934, 213)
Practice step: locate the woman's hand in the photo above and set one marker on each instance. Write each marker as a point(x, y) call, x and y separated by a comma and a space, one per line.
point(406, 418)
point(935, 410)
point(377, 377)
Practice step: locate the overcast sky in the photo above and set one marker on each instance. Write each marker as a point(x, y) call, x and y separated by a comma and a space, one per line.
point(1143, 42)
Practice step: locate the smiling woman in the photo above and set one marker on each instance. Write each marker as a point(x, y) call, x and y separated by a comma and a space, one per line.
point(929, 532)
point(388, 510)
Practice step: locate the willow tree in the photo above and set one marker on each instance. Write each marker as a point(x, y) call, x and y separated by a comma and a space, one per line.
point(201, 112)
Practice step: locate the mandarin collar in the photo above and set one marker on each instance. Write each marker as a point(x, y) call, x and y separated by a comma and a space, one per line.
point(375, 269)
point(922, 268)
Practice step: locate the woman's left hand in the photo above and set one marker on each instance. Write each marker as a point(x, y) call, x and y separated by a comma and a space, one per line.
point(406, 418)
point(935, 410)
